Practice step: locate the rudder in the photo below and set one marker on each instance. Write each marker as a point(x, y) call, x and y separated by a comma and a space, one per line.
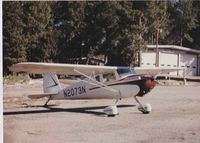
point(51, 83)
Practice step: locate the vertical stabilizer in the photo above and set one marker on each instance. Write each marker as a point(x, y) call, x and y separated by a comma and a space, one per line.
point(51, 83)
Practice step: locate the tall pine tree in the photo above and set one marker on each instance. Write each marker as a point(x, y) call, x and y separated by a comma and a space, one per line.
point(14, 40)
point(39, 30)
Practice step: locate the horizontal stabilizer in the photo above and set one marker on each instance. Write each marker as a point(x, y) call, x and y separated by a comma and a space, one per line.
point(41, 95)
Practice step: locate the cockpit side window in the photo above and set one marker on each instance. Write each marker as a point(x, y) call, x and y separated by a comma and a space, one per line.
point(109, 77)
point(125, 71)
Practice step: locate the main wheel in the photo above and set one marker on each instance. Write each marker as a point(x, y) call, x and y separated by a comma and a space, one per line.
point(145, 109)
point(111, 111)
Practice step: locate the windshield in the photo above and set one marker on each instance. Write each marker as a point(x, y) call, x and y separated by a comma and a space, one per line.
point(125, 71)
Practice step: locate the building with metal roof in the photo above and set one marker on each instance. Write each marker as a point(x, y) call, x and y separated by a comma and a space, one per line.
point(173, 56)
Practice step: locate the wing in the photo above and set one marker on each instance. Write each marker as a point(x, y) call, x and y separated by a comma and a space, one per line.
point(40, 68)
point(155, 70)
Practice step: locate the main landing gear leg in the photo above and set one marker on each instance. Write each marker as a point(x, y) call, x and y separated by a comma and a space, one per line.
point(145, 109)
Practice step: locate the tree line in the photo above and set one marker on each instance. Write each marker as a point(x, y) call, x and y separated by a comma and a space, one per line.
point(55, 31)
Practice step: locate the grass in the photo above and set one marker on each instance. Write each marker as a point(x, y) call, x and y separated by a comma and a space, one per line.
point(20, 78)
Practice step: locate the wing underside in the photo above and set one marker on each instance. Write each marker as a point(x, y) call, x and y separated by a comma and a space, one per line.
point(156, 70)
point(40, 68)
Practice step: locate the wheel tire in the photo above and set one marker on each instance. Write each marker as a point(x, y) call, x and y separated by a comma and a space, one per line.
point(145, 109)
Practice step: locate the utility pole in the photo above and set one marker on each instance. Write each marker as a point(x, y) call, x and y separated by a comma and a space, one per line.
point(157, 51)
point(140, 52)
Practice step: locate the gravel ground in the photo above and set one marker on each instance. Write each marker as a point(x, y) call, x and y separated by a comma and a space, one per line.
point(175, 118)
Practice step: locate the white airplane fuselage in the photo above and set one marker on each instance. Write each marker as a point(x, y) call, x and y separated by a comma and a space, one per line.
point(123, 88)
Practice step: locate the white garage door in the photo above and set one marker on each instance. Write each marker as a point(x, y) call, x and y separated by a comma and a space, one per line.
point(168, 60)
point(189, 62)
point(165, 60)
point(148, 59)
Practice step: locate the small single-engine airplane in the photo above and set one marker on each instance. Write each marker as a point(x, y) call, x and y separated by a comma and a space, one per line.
point(96, 82)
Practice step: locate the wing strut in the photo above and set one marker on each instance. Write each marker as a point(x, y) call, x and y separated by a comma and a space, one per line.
point(99, 84)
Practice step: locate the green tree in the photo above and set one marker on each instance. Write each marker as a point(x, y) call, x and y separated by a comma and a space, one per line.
point(14, 41)
point(68, 18)
point(158, 20)
point(113, 29)
point(188, 19)
point(101, 27)
point(93, 28)
point(39, 27)
point(195, 33)
point(184, 21)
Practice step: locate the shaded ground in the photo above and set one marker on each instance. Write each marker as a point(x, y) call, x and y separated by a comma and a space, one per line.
point(175, 118)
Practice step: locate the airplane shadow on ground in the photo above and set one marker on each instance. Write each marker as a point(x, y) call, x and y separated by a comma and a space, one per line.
point(50, 109)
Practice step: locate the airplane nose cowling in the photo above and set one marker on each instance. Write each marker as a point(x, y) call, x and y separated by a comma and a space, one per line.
point(146, 86)
point(149, 84)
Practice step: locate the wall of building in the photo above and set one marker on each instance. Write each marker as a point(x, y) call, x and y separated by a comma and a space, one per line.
point(173, 58)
